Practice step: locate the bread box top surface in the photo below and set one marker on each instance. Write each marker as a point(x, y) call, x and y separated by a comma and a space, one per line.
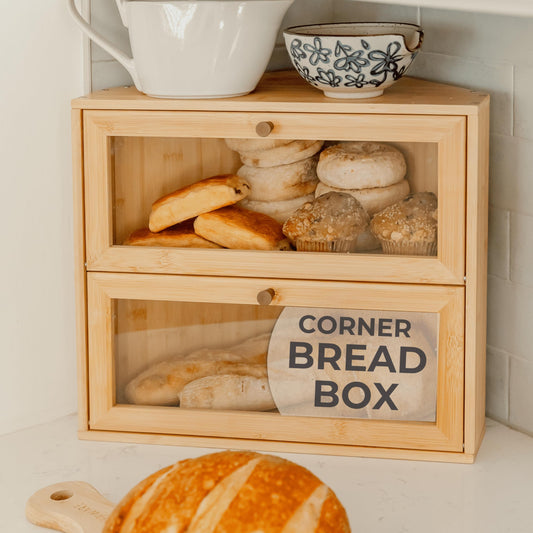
point(285, 91)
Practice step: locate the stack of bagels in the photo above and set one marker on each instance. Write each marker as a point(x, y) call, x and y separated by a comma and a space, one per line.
point(373, 173)
point(281, 173)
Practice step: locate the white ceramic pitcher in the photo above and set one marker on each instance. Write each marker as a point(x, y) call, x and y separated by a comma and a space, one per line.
point(195, 48)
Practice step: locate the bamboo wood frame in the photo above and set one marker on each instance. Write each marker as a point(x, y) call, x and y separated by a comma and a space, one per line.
point(448, 301)
point(448, 132)
point(284, 95)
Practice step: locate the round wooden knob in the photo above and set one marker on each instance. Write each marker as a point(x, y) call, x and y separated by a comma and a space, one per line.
point(263, 129)
point(265, 297)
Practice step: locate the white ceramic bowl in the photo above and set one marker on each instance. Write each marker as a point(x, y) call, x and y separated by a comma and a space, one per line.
point(353, 60)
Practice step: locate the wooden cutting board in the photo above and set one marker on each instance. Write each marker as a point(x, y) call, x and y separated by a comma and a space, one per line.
point(71, 507)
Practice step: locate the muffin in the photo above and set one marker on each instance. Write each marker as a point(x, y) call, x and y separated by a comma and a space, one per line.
point(330, 223)
point(408, 227)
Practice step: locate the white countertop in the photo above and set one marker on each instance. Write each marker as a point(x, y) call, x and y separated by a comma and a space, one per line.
point(494, 495)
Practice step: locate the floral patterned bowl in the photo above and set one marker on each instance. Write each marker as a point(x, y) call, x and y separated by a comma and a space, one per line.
point(353, 60)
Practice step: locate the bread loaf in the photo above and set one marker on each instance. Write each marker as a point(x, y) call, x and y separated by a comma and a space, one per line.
point(229, 391)
point(161, 383)
point(230, 492)
point(197, 198)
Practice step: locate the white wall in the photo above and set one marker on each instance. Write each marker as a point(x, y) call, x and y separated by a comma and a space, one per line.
point(40, 72)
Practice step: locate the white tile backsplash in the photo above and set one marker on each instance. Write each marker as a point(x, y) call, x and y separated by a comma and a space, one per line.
point(522, 249)
point(105, 19)
point(523, 103)
point(494, 78)
point(491, 53)
point(350, 11)
point(510, 315)
point(497, 384)
point(107, 74)
point(511, 174)
point(478, 35)
point(499, 234)
point(520, 394)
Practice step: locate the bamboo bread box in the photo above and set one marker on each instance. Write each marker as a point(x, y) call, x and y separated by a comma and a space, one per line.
point(366, 353)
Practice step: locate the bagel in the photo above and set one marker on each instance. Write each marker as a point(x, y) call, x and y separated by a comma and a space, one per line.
point(279, 211)
point(283, 182)
point(281, 155)
point(361, 165)
point(374, 199)
point(248, 145)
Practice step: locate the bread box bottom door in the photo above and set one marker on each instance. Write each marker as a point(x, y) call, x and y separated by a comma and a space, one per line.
point(277, 360)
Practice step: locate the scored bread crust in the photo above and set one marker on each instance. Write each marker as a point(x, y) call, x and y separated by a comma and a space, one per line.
point(231, 491)
point(115, 520)
point(238, 228)
point(199, 197)
point(180, 235)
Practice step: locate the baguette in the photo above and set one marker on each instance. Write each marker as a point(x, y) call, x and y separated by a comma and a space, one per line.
point(161, 383)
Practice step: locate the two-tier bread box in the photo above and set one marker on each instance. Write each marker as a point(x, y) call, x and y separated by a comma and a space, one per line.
point(362, 353)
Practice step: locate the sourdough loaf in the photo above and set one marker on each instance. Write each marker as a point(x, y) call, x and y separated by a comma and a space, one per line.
point(230, 492)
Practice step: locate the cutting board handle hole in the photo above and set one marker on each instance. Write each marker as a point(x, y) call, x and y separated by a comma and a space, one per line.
point(61, 495)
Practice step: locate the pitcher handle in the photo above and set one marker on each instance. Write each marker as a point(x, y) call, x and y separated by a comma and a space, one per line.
point(123, 59)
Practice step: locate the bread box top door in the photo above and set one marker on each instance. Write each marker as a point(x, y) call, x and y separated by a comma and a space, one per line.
point(138, 149)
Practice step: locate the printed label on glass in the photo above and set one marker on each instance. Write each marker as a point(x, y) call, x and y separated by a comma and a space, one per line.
point(355, 363)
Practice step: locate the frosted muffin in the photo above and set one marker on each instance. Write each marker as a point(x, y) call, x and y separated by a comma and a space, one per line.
point(330, 223)
point(408, 227)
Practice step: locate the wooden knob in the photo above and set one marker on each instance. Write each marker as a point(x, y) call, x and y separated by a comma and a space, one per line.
point(263, 129)
point(265, 297)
